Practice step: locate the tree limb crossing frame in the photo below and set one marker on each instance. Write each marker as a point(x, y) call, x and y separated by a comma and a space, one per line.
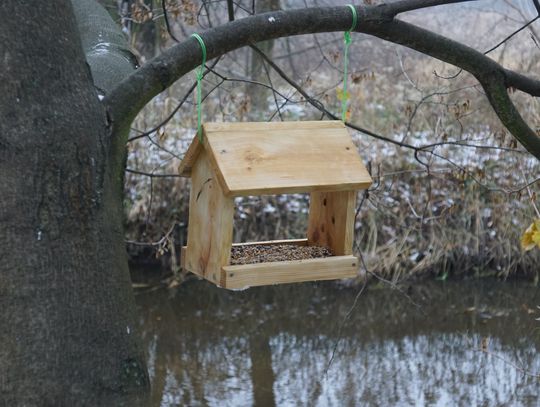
point(137, 89)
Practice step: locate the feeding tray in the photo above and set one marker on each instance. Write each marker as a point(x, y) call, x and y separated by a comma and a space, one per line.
point(240, 159)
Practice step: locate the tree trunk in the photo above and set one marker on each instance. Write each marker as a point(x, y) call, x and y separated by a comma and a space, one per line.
point(259, 94)
point(67, 336)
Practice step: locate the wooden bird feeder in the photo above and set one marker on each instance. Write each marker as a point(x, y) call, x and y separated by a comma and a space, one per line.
point(240, 159)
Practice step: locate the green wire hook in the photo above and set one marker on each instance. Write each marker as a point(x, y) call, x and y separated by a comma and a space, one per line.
point(347, 41)
point(200, 73)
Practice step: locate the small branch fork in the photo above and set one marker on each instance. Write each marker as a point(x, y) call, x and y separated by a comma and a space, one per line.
point(164, 241)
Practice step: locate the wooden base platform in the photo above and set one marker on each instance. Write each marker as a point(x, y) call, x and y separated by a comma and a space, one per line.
point(243, 276)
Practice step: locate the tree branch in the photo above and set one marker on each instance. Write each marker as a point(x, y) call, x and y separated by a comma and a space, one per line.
point(508, 114)
point(130, 96)
point(493, 77)
point(409, 5)
point(537, 6)
point(230, 9)
point(166, 18)
point(105, 47)
point(151, 174)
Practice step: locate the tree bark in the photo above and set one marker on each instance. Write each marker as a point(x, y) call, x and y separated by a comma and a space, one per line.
point(67, 319)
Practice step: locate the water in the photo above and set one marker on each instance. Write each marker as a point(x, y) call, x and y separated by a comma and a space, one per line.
point(272, 345)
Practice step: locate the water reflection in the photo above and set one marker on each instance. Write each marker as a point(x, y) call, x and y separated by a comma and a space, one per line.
point(271, 345)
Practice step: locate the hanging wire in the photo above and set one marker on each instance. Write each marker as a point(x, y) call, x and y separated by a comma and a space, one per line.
point(347, 41)
point(200, 73)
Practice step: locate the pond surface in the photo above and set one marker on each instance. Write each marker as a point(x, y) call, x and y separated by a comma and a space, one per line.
point(272, 345)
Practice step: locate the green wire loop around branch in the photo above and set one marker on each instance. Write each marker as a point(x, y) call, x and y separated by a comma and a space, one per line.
point(354, 17)
point(200, 73)
point(347, 41)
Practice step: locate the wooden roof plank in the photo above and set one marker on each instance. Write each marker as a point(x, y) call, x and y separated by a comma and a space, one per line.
point(285, 157)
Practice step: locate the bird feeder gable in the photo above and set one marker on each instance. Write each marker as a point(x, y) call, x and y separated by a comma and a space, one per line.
point(238, 159)
point(190, 157)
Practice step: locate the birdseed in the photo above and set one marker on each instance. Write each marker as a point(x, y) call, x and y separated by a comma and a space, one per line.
point(259, 253)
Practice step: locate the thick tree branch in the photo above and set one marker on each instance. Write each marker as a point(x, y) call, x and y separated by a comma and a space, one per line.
point(522, 82)
point(106, 49)
point(139, 88)
point(508, 114)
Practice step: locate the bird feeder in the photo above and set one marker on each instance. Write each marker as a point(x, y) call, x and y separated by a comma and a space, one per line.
point(242, 159)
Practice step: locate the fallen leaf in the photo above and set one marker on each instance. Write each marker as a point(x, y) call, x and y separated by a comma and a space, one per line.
point(531, 237)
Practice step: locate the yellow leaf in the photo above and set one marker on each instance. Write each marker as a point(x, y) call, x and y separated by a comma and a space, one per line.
point(341, 96)
point(531, 237)
point(536, 234)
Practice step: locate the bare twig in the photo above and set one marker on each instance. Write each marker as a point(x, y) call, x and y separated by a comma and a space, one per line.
point(531, 196)
point(508, 362)
point(511, 35)
point(230, 9)
point(342, 324)
point(159, 242)
point(152, 175)
point(166, 18)
point(320, 106)
point(177, 108)
point(350, 311)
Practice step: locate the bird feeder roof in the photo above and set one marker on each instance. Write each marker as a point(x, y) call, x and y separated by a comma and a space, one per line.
point(279, 157)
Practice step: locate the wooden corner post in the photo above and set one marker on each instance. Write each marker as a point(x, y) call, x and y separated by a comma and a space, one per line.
point(331, 221)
